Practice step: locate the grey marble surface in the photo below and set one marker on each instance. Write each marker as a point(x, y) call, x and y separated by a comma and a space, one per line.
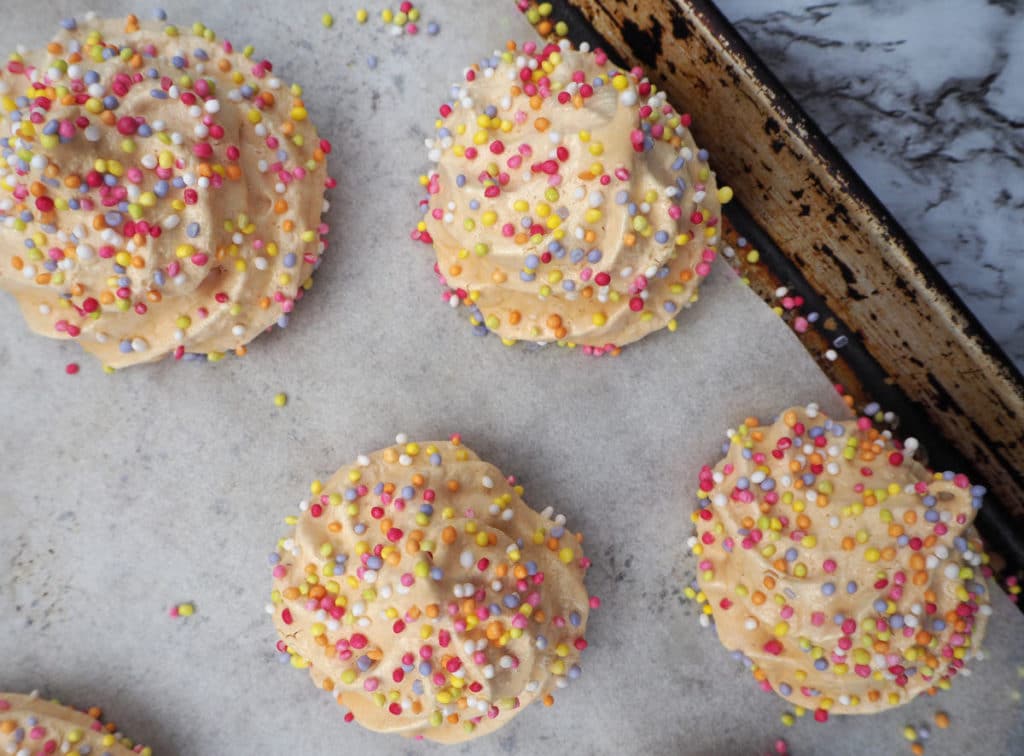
point(926, 99)
point(123, 494)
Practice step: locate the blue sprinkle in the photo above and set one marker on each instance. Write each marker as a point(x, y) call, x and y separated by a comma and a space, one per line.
point(125, 346)
point(460, 180)
point(433, 28)
point(435, 459)
point(436, 573)
point(371, 61)
point(359, 528)
point(178, 61)
point(594, 256)
point(851, 587)
point(702, 154)
point(374, 562)
point(192, 230)
point(828, 588)
point(69, 23)
point(661, 237)
point(273, 558)
point(408, 493)
point(290, 260)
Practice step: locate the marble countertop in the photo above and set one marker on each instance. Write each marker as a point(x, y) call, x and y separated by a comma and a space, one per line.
point(924, 98)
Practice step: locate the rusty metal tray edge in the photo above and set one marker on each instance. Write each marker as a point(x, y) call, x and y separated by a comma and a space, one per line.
point(862, 373)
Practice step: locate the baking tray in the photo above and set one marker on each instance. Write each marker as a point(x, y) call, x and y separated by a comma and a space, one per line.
point(889, 329)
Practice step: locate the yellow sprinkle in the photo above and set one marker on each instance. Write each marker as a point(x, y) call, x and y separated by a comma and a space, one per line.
point(327, 20)
point(362, 15)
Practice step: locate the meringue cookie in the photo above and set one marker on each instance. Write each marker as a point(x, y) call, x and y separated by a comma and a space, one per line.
point(160, 193)
point(850, 576)
point(568, 201)
point(420, 589)
point(30, 726)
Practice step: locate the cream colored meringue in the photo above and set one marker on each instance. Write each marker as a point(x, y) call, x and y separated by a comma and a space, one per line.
point(160, 193)
point(30, 726)
point(850, 576)
point(569, 202)
point(422, 591)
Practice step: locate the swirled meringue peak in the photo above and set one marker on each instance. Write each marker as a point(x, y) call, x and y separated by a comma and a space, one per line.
point(160, 192)
point(568, 202)
point(420, 589)
point(850, 577)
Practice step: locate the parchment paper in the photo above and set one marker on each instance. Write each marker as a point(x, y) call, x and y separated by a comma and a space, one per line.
point(121, 495)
